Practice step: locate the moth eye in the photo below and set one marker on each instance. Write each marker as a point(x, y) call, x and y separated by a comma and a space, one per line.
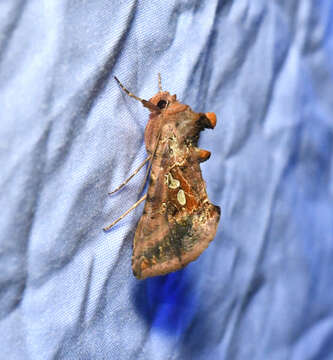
point(162, 104)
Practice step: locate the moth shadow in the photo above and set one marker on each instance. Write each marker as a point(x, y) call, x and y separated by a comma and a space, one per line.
point(167, 303)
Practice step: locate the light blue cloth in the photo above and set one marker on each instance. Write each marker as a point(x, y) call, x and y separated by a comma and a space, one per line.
point(68, 135)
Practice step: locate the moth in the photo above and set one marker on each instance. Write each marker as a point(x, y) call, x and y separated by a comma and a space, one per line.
point(178, 220)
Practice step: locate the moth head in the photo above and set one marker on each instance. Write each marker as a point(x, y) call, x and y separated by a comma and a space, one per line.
point(163, 100)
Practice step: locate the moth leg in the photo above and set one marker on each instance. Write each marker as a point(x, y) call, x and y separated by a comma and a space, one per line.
point(150, 163)
point(128, 179)
point(146, 175)
point(126, 212)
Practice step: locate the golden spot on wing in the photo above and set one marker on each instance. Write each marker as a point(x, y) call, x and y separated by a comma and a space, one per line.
point(171, 182)
point(181, 197)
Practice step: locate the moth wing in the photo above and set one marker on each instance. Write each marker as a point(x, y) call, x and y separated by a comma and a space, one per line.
point(178, 221)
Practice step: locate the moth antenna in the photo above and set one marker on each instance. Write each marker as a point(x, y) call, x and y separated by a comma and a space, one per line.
point(159, 82)
point(145, 103)
point(127, 91)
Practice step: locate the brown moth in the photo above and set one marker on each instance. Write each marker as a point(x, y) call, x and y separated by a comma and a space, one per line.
point(178, 220)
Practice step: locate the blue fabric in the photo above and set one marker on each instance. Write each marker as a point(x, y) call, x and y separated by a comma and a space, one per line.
point(68, 135)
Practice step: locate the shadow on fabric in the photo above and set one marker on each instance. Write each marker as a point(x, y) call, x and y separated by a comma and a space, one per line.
point(167, 303)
